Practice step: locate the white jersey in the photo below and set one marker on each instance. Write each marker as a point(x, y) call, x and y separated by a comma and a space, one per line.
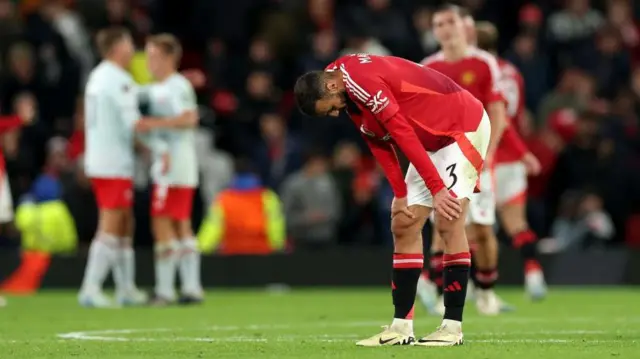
point(111, 111)
point(168, 99)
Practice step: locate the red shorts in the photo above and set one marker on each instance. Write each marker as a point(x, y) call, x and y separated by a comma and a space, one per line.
point(174, 202)
point(113, 193)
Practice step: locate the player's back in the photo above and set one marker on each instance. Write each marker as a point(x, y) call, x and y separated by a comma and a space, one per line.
point(431, 100)
point(111, 110)
point(171, 98)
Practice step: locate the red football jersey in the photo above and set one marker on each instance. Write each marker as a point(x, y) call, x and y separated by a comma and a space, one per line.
point(393, 100)
point(437, 108)
point(477, 72)
point(511, 147)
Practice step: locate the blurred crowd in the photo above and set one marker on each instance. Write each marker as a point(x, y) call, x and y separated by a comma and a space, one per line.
point(580, 60)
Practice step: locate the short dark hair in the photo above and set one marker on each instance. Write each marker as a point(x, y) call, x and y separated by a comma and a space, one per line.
point(109, 37)
point(487, 36)
point(460, 10)
point(309, 88)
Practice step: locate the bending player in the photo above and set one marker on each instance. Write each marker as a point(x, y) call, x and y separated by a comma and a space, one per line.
point(476, 71)
point(175, 245)
point(112, 116)
point(513, 163)
point(444, 132)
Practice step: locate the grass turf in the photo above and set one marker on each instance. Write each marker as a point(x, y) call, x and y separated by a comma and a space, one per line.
point(577, 323)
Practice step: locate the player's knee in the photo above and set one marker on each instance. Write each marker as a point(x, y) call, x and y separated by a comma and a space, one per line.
point(403, 227)
point(449, 230)
point(483, 233)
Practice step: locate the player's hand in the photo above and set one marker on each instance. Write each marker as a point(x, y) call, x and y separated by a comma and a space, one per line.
point(399, 205)
point(26, 108)
point(166, 163)
point(532, 164)
point(143, 126)
point(446, 205)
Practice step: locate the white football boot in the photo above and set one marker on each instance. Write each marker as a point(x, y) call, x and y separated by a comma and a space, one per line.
point(535, 285)
point(447, 335)
point(389, 336)
point(133, 297)
point(487, 302)
point(96, 300)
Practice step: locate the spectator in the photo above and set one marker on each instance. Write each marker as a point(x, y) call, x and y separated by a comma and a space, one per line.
point(583, 225)
point(620, 15)
point(278, 154)
point(426, 40)
point(246, 218)
point(575, 91)
point(610, 65)
point(10, 28)
point(527, 57)
point(359, 41)
point(312, 204)
point(323, 52)
point(572, 30)
point(384, 23)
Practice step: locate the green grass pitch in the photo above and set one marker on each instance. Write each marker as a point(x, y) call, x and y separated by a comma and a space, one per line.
point(309, 324)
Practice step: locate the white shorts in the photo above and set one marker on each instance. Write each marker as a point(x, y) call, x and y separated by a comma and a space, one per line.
point(511, 182)
point(6, 202)
point(453, 166)
point(482, 205)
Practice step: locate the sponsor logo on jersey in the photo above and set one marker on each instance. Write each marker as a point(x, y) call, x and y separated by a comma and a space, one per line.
point(468, 77)
point(377, 103)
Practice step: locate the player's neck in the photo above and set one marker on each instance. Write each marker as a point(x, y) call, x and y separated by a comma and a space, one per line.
point(165, 75)
point(118, 63)
point(455, 53)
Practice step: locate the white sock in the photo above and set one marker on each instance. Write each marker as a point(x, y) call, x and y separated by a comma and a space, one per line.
point(128, 263)
point(403, 326)
point(166, 260)
point(102, 256)
point(453, 324)
point(190, 267)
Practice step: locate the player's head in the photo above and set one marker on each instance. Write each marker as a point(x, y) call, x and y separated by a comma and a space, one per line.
point(163, 54)
point(320, 93)
point(115, 44)
point(470, 29)
point(487, 36)
point(449, 25)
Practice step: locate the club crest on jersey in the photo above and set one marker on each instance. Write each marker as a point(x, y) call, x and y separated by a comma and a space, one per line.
point(377, 103)
point(468, 77)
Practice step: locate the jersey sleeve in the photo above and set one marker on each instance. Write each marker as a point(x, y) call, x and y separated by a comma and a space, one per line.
point(369, 90)
point(387, 158)
point(184, 99)
point(491, 88)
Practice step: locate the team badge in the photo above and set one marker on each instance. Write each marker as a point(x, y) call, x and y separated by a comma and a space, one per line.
point(468, 77)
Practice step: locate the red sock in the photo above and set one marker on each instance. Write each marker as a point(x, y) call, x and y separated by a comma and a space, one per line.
point(486, 278)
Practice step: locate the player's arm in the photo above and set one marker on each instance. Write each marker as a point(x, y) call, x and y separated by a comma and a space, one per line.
point(183, 102)
point(496, 105)
point(386, 156)
point(375, 95)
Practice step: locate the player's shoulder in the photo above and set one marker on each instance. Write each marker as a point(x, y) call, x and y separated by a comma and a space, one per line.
point(433, 58)
point(485, 58)
point(356, 61)
point(508, 68)
point(178, 80)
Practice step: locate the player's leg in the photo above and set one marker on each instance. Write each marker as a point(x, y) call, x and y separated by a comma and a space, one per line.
point(408, 262)
point(430, 282)
point(124, 272)
point(111, 197)
point(6, 210)
point(189, 254)
point(512, 182)
point(189, 264)
point(456, 262)
point(166, 246)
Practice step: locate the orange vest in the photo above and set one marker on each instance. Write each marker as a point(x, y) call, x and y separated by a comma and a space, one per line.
point(244, 223)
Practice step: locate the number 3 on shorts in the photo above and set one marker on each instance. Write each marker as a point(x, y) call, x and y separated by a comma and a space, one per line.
point(451, 172)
